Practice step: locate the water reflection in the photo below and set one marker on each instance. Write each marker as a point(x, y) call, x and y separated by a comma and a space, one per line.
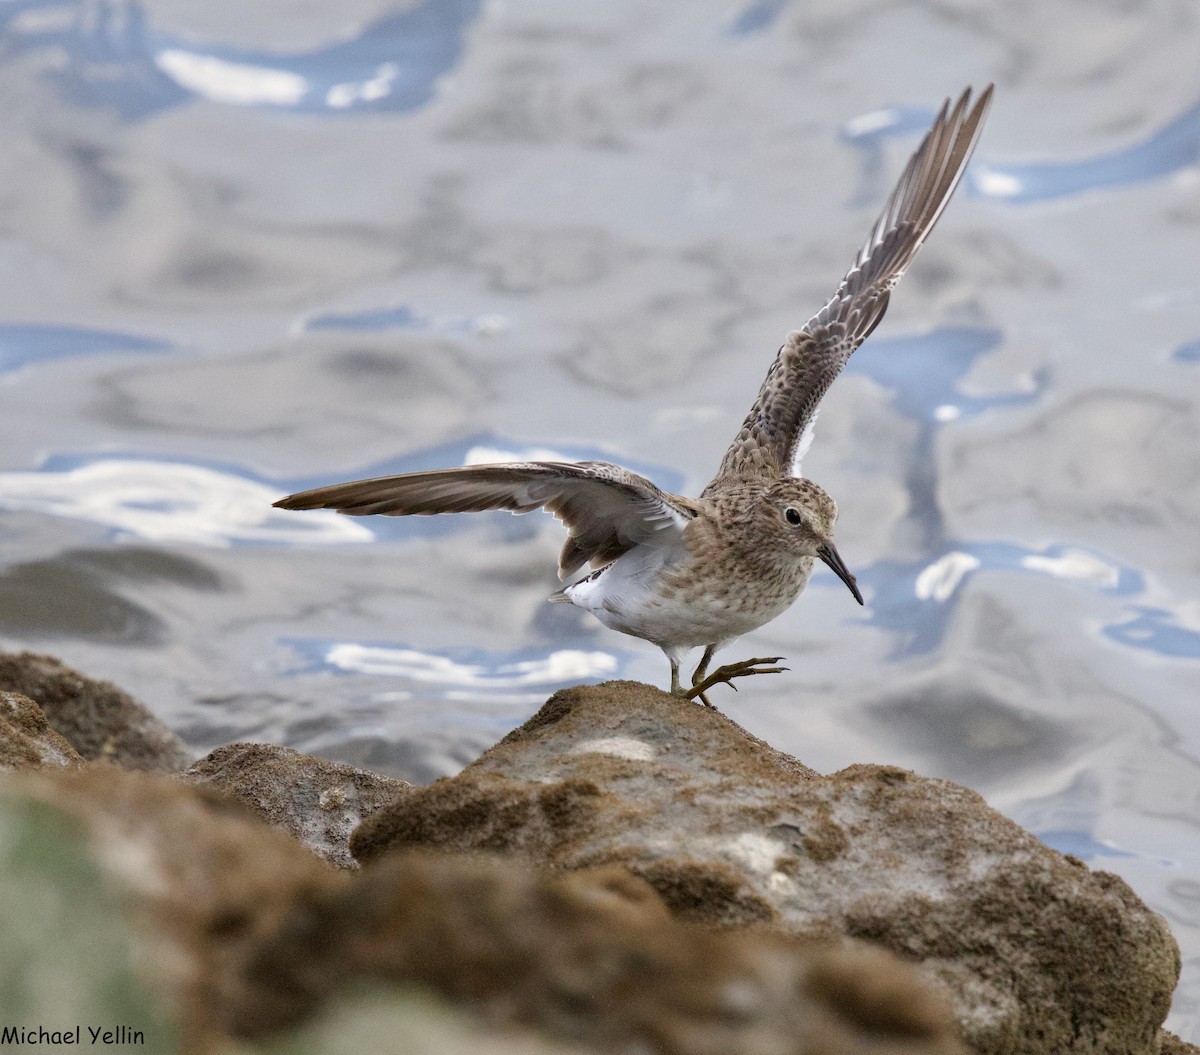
point(178, 502)
point(460, 674)
point(1159, 631)
point(756, 17)
point(80, 594)
point(1173, 147)
point(1080, 844)
point(924, 373)
point(914, 600)
point(22, 344)
point(402, 317)
point(115, 58)
point(25, 343)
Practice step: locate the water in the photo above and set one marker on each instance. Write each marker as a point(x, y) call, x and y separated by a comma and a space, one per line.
point(252, 249)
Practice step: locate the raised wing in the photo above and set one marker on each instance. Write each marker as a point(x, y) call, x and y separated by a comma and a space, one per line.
point(607, 509)
point(778, 429)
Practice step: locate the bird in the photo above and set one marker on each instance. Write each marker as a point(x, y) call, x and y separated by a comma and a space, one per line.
point(686, 573)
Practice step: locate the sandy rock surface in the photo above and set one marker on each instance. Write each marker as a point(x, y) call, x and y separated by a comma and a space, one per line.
point(1041, 953)
point(26, 739)
point(317, 801)
point(101, 722)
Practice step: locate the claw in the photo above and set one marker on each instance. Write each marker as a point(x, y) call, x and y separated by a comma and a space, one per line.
point(725, 675)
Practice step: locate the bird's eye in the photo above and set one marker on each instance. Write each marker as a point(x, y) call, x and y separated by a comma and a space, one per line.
point(792, 515)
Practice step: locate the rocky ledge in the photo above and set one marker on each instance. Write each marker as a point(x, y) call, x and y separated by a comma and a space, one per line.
point(627, 872)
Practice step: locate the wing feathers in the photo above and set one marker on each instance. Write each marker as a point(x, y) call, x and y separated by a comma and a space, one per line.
point(607, 509)
point(778, 428)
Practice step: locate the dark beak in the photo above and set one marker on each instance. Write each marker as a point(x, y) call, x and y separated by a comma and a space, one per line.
point(829, 554)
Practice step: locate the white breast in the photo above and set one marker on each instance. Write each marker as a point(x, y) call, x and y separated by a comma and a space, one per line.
point(628, 596)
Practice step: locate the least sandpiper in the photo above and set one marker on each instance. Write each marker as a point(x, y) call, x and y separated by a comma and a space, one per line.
point(689, 573)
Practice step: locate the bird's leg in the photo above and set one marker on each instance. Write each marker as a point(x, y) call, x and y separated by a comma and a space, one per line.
point(676, 688)
point(702, 666)
point(725, 675)
point(700, 671)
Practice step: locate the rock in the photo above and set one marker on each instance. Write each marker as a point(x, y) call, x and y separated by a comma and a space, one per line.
point(406, 1023)
point(319, 802)
point(100, 721)
point(203, 883)
point(1041, 954)
point(594, 958)
point(1172, 1045)
point(26, 739)
point(66, 951)
point(245, 934)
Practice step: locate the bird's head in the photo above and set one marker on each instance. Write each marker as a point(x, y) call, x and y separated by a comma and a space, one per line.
point(802, 516)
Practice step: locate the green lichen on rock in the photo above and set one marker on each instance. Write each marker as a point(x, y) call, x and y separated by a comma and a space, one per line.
point(64, 943)
point(404, 1023)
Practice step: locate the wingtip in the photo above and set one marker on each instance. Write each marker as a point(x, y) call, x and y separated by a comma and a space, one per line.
point(293, 502)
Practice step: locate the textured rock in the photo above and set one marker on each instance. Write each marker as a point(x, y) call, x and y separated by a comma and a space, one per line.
point(1042, 954)
point(203, 882)
point(26, 739)
point(319, 802)
point(100, 721)
point(1172, 1045)
point(594, 958)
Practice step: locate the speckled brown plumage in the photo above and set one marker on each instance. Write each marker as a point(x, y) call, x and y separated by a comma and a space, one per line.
point(687, 573)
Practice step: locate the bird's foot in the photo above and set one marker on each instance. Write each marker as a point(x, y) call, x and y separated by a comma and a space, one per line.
point(725, 675)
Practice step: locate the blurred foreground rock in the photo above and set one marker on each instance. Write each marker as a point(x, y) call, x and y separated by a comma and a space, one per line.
point(317, 801)
point(202, 882)
point(1040, 953)
point(595, 959)
point(246, 934)
point(626, 873)
point(100, 721)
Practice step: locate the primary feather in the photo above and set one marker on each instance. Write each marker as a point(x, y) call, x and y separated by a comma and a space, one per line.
point(778, 429)
point(606, 509)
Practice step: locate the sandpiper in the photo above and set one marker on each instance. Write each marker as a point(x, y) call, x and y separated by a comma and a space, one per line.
point(689, 573)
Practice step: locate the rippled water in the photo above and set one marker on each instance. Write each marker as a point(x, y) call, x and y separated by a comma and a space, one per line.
point(253, 248)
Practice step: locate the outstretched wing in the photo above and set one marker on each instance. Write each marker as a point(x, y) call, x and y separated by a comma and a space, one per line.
point(607, 509)
point(778, 429)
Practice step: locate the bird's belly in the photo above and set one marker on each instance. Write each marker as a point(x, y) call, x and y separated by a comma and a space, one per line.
point(666, 606)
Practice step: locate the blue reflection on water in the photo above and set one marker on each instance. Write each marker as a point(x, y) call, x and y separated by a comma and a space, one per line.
point(116, 59)
point(1187, 353)
point(25, 343)
point(869, 132)
point(756, 17)
point(402, 317)
point(1080, 844)
point(1155, 629)
point(924, 371)
point(372, 319)
point(1173, 147)
point(916, 599)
